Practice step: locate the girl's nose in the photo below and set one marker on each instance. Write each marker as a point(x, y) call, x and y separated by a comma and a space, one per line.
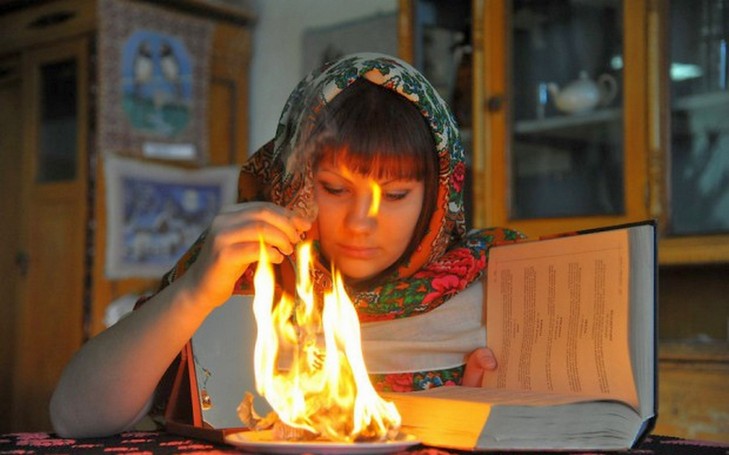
point(360, 217)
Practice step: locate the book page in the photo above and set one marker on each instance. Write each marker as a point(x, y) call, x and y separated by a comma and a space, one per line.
point(557, 316)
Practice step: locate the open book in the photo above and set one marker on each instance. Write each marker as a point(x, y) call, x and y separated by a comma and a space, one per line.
point(571, 320)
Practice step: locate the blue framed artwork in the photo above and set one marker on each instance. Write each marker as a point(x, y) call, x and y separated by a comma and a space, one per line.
point(156, 83)
point(156, 212)
point(154, 67)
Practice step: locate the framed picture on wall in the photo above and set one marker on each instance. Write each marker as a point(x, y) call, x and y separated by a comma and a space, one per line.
point(155, 212)
point(370, 34)
point(154, 67)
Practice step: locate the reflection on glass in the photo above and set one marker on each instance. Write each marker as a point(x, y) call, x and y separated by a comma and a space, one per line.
point(567, 149)
point(57, 131)
point(699, 177)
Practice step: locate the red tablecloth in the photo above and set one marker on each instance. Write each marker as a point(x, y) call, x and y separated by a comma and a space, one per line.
point(166, 443)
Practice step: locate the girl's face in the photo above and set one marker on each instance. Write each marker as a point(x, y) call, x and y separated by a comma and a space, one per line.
point(358, 243)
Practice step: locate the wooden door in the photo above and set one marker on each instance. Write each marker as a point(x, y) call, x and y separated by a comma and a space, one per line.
point(49, 311)
point(10, 184)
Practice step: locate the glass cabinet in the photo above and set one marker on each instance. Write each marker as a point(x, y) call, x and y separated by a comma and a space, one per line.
point(579, 114)
point(586, 113)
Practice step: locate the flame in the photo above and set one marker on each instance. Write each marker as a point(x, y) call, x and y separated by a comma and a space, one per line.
point(325, 388)
point(376, 197)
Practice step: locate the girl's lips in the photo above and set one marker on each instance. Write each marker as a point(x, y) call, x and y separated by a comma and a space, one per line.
point(358, 252)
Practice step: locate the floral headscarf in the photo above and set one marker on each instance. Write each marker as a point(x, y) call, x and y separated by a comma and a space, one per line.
point(448, 259)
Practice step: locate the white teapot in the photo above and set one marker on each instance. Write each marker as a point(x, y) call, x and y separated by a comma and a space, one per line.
point(584, 94)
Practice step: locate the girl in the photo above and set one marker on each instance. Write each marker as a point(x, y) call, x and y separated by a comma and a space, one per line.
point(412, 271)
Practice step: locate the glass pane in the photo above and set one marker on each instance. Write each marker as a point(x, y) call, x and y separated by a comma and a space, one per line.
point(57, 153)
point(699, 176)
point(567, 144)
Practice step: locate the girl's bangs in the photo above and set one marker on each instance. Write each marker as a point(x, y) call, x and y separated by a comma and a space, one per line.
point(374, 131)
point(378, 162)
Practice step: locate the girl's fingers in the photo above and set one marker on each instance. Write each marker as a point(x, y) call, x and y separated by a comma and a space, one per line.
point(253, 232)
point(248, 253)
point(477, 363)
point(301, 224)
point(234, 242)
point(285, 220)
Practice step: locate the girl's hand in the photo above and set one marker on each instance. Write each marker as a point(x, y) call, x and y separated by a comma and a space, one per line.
point(477, 364)
point(232, 244)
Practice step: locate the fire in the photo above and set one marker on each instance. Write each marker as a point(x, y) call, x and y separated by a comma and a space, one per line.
point(325, 388)
point(376, 192)
point(376, 196)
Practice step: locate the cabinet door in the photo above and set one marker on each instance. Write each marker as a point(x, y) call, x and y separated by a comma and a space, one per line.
point(11, 258)
point(566, 132)
point(696, 212)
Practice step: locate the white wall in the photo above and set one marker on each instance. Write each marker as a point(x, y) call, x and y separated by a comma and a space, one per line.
point(277, 51)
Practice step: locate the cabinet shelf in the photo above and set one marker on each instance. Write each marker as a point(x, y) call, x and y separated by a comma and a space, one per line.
point(694, 351)
point(567, 121)
point(701, 101)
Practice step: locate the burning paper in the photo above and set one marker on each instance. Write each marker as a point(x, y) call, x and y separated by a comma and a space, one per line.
point(325, 391)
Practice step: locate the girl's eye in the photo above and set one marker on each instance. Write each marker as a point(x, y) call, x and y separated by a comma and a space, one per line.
point(333, 190)
point(396, 195)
